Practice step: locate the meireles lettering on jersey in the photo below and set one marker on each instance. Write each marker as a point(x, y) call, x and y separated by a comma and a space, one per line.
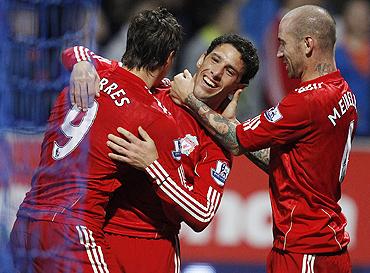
point(185, 145)
point(273, 114)
point(221, 172)
point(346, 101)
point(118, 96)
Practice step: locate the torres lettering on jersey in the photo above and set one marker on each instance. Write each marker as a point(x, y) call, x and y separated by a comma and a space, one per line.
point(346, 101)
point(110, 88)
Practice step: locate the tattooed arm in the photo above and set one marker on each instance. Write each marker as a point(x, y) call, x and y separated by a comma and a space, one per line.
point(260, 158)
point(225, 132)
point(223, 129)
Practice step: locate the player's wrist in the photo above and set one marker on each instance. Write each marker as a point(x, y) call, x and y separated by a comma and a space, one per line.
point(151, 171)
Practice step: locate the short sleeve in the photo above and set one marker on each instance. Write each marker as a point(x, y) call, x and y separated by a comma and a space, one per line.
point(282, 124)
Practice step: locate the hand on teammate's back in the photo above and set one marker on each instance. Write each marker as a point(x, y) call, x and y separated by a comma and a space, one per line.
point(181, 86)
point(131, 149)
point(84, 85)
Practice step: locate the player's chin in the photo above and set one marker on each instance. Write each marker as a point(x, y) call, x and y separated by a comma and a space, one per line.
point(203, 94)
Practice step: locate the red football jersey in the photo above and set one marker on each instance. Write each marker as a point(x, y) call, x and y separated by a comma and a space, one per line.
point(205, 168)
point(76, 178)
point(310, 133)
point(141, 210)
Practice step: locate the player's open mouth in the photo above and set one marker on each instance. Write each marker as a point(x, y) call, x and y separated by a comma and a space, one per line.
point(209, 82)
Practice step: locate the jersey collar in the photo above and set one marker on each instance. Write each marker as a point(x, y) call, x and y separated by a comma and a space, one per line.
point(333, 76)
point(325, 78)
point(128, 75)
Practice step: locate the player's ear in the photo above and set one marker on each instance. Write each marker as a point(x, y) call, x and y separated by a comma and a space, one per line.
point(169, 61)
point(240, 86)
point(309, 44)
point(200, 60)
point(170, 58)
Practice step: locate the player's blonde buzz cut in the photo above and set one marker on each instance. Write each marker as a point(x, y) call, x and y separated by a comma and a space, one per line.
point(315, 21)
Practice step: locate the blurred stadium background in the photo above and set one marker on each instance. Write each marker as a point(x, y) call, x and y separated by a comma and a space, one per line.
point(33, 34)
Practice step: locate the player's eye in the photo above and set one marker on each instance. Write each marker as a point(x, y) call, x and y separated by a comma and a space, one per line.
point(215, 59)
point(230, 72)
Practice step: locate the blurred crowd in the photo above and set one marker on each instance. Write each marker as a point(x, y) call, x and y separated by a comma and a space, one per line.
point(258, 20)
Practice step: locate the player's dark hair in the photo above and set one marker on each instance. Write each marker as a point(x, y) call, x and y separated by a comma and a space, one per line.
point(245, 48)
point(152, 36)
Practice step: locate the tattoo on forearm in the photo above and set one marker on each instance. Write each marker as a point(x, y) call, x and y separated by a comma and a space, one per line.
point(324, 68)
point(223, 129)
point(225, 132)
point(261, 158)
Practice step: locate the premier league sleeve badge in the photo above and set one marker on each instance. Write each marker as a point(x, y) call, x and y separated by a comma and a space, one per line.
point(221, 173)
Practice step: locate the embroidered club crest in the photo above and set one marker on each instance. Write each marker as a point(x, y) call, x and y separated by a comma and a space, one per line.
point(184, 146)
point(188, 144)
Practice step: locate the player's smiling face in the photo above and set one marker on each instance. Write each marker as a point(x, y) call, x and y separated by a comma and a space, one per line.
point(218, 74)
point(289, 49)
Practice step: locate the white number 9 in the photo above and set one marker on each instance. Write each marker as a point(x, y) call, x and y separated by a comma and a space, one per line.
point(74, 132)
